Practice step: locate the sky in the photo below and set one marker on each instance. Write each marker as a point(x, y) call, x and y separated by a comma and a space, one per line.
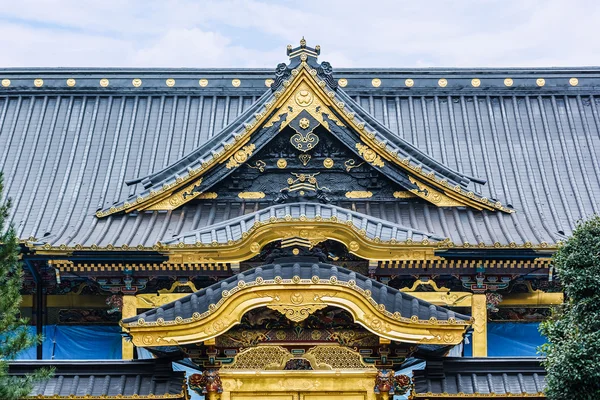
point(255, 33)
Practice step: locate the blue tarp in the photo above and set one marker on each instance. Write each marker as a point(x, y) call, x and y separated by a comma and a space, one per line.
point(511, 339)
point(73, 342)
point(31, 353)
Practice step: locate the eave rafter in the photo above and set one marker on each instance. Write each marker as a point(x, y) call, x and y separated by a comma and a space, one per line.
point(306, 91)
point(296, 298)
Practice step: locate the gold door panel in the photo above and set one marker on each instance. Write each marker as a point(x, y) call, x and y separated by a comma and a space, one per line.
point(333, 396)
point(267, 396)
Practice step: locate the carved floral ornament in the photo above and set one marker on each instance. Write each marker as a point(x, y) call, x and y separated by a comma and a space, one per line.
point(296, 298)
point(320, 358)
point(305, 90)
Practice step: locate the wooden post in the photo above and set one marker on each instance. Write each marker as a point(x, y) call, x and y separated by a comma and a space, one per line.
point(129, 310)
point(479, 313)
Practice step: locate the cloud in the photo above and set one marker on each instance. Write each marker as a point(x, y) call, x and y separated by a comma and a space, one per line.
point(254, 33)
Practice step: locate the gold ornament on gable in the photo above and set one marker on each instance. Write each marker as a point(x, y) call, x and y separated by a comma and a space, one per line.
point(281, 163)
point(304, 159)
point(303, 98)
point(240, 156)
point(369, 155)
point(432, 195)
point(328, 163)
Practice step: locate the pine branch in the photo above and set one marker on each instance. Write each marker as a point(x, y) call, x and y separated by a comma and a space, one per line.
point(14, 333)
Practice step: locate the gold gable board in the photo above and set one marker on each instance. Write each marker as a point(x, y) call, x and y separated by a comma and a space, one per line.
point(296, 298)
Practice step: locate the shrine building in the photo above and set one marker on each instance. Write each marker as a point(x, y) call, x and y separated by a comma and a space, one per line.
point(303, 232)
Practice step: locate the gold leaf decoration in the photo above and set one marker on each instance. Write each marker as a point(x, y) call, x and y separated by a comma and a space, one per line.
point(251, 195)
point(177, 199)
point(302, 98)
point(403, 195)
point(369, 155)
point(240, 156)
point(432, 195)
point(357, 194)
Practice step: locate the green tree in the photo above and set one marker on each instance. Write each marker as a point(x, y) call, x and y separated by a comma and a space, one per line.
point(14, 336)
point(573, 332)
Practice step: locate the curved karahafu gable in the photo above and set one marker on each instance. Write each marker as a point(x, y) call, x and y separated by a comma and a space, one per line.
point(297, 290)
point(304, 91)
point(365, 226)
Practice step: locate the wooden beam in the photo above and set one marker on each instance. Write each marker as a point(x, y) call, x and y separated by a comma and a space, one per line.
point(445, 299)
point(535, 299)
point(68, 301)
point(464, 299)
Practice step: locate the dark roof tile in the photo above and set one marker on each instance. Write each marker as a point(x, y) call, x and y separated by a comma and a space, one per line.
point(66, 153)
point(514, 376)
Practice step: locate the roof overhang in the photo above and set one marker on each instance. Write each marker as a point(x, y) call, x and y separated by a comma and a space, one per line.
point(297, 290)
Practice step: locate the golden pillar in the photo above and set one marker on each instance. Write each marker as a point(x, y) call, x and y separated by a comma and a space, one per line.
point(479, 313)
point(129, 310)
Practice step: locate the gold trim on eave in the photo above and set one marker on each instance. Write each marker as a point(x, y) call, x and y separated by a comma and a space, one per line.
point(318, 228)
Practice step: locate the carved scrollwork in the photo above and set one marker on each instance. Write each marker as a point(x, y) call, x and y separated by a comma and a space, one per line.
point(177, 199)
point(297, 313)
point(304, 142)
point(432, 195)
point(322, 357)
point(282, 73)
point(351, 164)
point(240, 156)
point(369, 155)
point(259, 165)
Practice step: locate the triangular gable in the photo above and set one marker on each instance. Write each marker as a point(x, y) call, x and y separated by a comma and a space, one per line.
point(304, 90)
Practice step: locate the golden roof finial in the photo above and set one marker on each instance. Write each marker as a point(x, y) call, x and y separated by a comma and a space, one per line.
point(302, 42)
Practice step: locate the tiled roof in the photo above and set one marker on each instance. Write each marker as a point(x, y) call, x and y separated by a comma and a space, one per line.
point(67, 151)
point(101, 379)
point(452, 377)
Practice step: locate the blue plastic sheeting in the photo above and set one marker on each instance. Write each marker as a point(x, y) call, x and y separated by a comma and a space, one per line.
point(87, 342)
point(508, 339)
point(77, 343)
point(31, 353)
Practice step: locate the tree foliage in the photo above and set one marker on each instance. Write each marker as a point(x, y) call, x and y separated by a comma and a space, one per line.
point(573, 351)
point(14, 335)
